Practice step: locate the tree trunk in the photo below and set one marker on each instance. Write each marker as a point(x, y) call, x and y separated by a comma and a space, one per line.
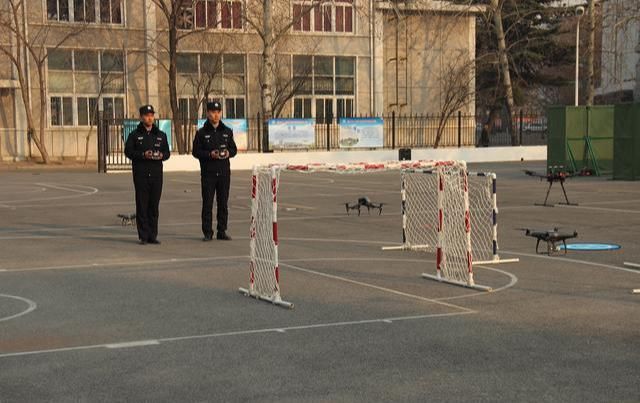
point(504, 67)
point(25, 89)
point(591, 49)
point(266, 72)
point(39, 139)
point(173, 83)
point(636, 91)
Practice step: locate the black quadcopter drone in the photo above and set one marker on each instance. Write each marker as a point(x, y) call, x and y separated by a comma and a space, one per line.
point(364, 202)
point(554, 174)
point(127, 219)
point(551, 237)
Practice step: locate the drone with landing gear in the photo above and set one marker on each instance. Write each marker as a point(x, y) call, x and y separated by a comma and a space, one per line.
point(364, 202)
point(553, 175)
point(551, 237)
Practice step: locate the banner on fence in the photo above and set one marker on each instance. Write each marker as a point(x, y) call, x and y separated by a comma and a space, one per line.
point(361, 132)
point(240, 130)
point(129, 125)
point(291, 133)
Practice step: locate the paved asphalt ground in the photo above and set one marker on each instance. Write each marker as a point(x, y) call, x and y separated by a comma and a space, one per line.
point(87, 314)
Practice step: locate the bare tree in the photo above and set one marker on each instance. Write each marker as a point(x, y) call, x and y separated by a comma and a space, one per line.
point(179, 16)
point(21, 47)
point(288, 79)
point(204, 85)
point(636, 90)
point(503, 60)
point(107, 78)
point(591, 51)
point(272, 20)
point(620, 38)
point(456, 89)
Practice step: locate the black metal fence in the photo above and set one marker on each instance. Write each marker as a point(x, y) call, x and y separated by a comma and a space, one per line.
point(399, 131)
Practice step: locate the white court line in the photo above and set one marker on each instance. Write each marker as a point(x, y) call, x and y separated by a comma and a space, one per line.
point(613, 210)
point(236, 333)
point(129, 344)
point(629, 264)
point(612, 202)
point(31, 306)
point(198, 223)
point(68, 189)
point(566, 259)
point(512, 282)
point(376, 287)
point(53, 186)
point(129, 203)
point(121, 263)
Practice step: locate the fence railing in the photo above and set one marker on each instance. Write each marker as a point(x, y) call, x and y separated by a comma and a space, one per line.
point(409, 131)
point(399, 131)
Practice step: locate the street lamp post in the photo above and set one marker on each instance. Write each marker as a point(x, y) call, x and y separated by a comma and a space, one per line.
point(579, 14)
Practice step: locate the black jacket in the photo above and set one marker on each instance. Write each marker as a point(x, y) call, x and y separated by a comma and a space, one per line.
point(140, 141)
point(209, 138)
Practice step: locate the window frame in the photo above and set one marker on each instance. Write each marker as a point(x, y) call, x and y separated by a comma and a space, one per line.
point(323, 18)
point(337, 98)
point(75, 94)
point(71, 13)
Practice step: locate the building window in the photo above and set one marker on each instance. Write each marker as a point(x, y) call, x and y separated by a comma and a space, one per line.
point(111, 11)
point(334, 17)
point(326, 89)
point(231, 14)
point(205, 14)
point(61, 111)
point(113, 107)
point(344, 16)
point(58, 10)
point(212, 76)
point(188, 109)
point(87, 111)
point(301, 18)
point(234, 108)
point(302, 108)
point(78, 78)
point(322, 18)
point(84, 10)
point(107, 11)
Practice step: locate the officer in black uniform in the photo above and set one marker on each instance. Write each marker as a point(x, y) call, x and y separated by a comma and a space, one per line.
point(213, 145)
point(147, 147)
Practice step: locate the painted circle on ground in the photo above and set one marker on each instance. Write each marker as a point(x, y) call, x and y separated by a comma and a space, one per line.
point(31, 306)
point(583, 246)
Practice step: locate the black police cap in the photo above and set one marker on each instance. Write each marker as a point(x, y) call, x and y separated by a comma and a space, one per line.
point(144, 109)
point(214, 106)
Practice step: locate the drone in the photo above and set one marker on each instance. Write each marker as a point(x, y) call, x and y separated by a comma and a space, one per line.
point(127, 219)
point(364, 202)
point(551, 237)
point(553, 175)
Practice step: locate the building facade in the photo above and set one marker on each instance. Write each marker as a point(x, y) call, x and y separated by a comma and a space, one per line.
point(337, 58)
point(620, 52)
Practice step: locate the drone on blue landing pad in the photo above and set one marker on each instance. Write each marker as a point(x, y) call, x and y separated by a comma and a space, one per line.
point(364, 202)
point(551, 237)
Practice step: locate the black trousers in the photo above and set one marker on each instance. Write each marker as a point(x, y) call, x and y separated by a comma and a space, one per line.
point(148, 192)
point(218, 187)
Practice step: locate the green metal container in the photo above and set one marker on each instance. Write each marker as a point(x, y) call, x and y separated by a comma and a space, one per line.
point(581, 138)
point(626, 149)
